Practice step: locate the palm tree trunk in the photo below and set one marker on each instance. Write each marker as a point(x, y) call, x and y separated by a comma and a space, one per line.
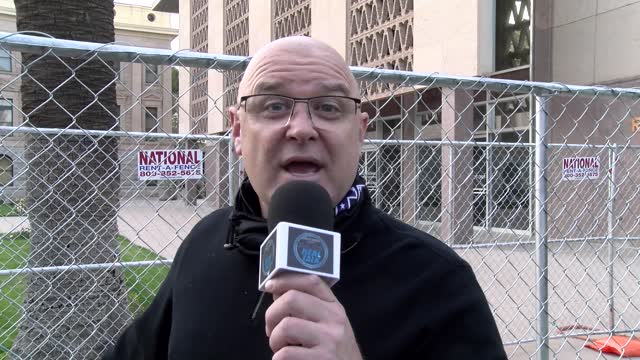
point(72, 186)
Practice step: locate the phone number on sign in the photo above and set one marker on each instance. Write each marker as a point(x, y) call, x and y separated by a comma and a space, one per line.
point(171, 173)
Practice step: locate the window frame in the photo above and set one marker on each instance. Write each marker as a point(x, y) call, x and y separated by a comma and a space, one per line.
point(9, 169)
point(8, 57)
point(6, 104)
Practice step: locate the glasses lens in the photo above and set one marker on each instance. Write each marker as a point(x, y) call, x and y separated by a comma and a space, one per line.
point(331, 108)
point(270, 107)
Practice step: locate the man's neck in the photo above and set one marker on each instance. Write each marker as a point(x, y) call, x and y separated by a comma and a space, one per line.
point(264, 209)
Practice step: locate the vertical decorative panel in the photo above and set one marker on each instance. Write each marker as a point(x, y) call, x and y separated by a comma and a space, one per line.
point(291, 17)
point(381, 36)
point(236, 42)
point(199, 42)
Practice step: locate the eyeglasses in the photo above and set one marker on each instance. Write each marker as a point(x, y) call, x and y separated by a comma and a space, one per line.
point(277, 110)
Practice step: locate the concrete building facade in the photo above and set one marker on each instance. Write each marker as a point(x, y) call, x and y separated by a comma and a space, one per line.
point(143, 93)
point(576, 42)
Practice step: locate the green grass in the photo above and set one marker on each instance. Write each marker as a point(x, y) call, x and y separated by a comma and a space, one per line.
point(12, 253)
point(8, 210)
point(142, 282)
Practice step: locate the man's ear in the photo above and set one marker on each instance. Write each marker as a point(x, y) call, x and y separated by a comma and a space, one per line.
point(235, 129)
point(364, 121)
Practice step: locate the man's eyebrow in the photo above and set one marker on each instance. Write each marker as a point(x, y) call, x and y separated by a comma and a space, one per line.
point(333, 87)
point(328, 87)
point(267, 86)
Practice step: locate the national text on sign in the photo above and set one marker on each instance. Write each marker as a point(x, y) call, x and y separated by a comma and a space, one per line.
point(168, 157)
point(580, 163)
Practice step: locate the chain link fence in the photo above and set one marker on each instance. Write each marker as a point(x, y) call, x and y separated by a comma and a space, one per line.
point(534, 184)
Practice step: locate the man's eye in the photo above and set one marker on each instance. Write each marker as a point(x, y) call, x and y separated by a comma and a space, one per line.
point(276, 107)
point(328, 107)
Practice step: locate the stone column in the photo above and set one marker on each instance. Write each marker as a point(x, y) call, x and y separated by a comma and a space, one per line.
point(334, 32)
point(137, 112)
point(409, 181)
point(184, 113)
point(541, 40)
point(216, 112)
point(215, 83)
point(260, 24)
point(457, 167)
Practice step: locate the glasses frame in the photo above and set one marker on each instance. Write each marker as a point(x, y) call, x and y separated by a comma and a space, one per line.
point(243, 99)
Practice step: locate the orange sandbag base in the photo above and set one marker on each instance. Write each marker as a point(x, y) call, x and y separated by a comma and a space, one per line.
point(618, 344)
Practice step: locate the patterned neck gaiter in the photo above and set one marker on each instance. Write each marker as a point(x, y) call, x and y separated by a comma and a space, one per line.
point(248, 229)
point(351, 199)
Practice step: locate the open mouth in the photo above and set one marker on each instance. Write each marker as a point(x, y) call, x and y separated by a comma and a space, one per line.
point(302, 167)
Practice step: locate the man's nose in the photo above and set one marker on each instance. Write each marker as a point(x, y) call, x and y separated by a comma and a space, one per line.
point(300, 125)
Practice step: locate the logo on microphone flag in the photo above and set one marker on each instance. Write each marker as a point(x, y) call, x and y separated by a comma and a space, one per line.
point(310, 250)
point(267, 257)
point(299, 248)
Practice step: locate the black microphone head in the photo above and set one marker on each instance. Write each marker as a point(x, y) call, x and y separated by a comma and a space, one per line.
point(301, 202)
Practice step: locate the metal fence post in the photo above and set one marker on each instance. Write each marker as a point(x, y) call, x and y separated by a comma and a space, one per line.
point(613, 158)
point(489, 167)
point(541, 227)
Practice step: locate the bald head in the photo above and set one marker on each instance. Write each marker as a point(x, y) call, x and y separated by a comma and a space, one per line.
point(274, 152)
point(267, 69)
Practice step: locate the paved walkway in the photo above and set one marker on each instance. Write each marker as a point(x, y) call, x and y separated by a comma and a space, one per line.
point(506, 273)
point(13, 224)
point(160, 226)
point(561, 349)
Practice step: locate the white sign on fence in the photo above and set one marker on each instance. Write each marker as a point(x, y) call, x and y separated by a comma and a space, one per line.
point(579, 168)
point(169, 164)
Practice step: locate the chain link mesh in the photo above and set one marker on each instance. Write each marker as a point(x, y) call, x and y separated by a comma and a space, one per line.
point(86, 243)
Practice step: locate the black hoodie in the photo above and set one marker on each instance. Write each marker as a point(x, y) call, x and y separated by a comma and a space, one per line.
point(406, 294)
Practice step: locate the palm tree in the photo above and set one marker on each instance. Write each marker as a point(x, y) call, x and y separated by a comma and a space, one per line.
point(72, 185)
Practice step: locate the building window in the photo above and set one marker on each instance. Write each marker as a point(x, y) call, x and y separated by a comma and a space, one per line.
point(6, 112)
point(117, 70)
point(151, 119)
point(513, 20)
point(5, 60)
point(367, 169)
point(150, 74)
point(6, 170)
point(502, 174)
point(429, 163)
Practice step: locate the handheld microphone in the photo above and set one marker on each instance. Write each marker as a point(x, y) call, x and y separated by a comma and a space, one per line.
point(300, 223)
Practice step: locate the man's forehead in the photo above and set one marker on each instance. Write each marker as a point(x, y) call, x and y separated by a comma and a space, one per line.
point(333, 87)
point(298, 64)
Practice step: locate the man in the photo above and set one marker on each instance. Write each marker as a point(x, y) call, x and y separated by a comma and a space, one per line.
point(402, 293)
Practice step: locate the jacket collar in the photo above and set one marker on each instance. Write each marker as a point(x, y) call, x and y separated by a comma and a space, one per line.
point(248, 228)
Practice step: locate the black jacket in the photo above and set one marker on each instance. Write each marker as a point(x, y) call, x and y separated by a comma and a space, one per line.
point(407, 295)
